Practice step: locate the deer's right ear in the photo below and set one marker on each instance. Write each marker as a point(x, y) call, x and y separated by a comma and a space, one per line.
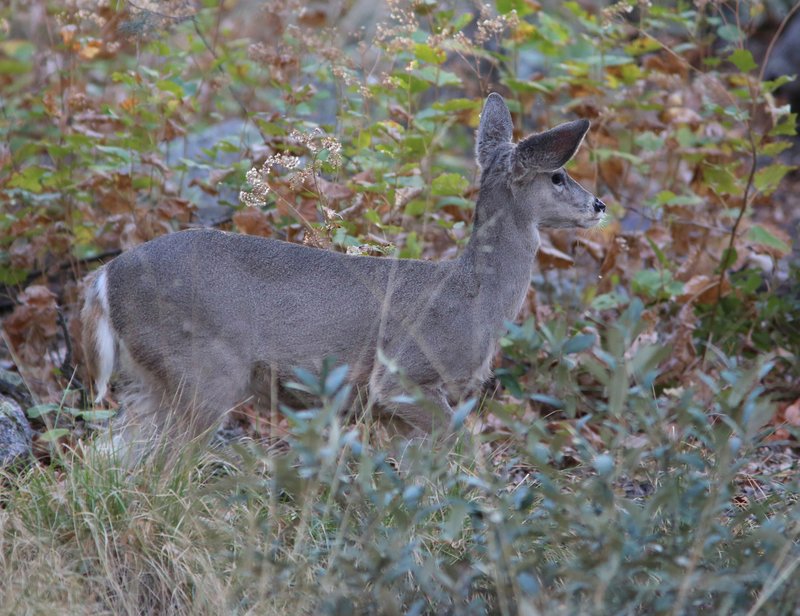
point(551, 149)
point(494, 130)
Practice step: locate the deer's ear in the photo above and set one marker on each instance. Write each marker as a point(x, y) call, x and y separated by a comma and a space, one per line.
point(494, 130)
point(551, 149)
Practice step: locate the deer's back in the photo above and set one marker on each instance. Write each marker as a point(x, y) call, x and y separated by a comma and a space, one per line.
point(239, 299)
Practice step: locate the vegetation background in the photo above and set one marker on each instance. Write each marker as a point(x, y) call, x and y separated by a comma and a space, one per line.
point(637, 451)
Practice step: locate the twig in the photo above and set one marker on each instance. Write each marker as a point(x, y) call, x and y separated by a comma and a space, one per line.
point(775, 38)
point(67, 365)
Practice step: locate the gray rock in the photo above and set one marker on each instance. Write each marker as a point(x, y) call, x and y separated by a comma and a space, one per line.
point(15, 433)
point(199, 150)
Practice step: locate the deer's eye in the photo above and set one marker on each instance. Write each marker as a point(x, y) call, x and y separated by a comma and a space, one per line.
point(558, 179)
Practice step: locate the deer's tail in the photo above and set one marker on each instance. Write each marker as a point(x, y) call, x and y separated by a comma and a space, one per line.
point(99, 338)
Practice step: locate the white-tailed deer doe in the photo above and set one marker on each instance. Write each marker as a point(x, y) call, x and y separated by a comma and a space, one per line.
point(199, 321)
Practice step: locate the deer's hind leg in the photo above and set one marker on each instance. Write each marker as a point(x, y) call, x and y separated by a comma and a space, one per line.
point(160, 418)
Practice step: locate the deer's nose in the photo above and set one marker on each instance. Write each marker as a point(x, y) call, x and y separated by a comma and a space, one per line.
point(599, 206)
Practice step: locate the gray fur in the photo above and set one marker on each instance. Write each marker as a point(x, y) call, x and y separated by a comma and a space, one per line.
point(204, 319)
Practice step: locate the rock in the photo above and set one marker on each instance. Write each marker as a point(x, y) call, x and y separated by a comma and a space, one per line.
point(15, 433)
point(11, 384)
point(195, 147)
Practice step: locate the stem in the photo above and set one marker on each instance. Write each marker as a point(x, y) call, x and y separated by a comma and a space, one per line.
point(732, 239)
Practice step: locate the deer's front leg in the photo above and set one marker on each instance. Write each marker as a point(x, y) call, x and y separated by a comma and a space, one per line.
point(426, 415)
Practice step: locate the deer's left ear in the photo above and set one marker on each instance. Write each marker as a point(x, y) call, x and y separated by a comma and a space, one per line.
point(551, 149)
point(495, 129)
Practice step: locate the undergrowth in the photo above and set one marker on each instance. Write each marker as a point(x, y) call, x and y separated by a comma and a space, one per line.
point(636, 452)
point(644, 505)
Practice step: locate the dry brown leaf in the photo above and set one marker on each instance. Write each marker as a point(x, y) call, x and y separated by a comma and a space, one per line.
point(550, 257)
point(173, 209)
point(68, 33)
point(703, 289)
point(682, 115)
point(668, 63)
point(209, 185)
point(331, 191)
point(313, 18)
point(786, 416)
point(403, 195)
point(791, 414)
point(33, 325)
point(90, 49)
point(253, 221)
point(595, 249)
point(150, 158)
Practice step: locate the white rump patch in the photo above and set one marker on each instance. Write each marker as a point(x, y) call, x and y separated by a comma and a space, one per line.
point(104, 338)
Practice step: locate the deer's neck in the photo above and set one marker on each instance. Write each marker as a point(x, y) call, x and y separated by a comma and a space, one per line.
point(500, 252)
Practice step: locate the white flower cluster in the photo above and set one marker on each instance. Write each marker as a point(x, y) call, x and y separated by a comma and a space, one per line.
point(315, 142)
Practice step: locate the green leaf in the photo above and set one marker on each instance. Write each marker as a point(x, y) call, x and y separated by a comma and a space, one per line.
point(460, 414)
point(522, 7)
point(774, 84)
point(775, 148)
point(412, 249)
point(13, 67)
point(720, 179)
point(170, 86)
point(527, 86)
point(437, 76)
point(759, 235)
point(415, 207)
point(456, 104)
point(429, 54)
point(121, 154)
point(729, 256)
point(649, 141)
point(730, 33)
point(548, 400)
point(454, 522)
point(606, 153)
point(100, 415)
point(578, 343)
point(743, 60)
point(656, 284)
point(767, 179)
point(11, 275)
point(462, 21)
point(29, 179)
point(39, 410)
point(607, 301)
point(53, 435)
point(667, 197)
point(787, 126)
point(449, 184)
point(364, 140)
point(642, 45)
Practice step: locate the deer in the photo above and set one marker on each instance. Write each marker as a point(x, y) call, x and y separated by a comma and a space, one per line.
point(199, 321)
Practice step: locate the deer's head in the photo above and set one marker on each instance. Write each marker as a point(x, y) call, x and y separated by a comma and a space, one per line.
point(542, 192)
